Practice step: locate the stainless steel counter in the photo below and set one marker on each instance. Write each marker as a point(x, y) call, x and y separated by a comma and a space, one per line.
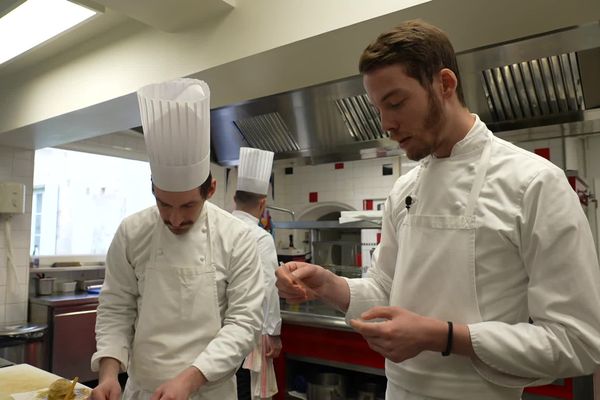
point(314, 314)
point(67, 299)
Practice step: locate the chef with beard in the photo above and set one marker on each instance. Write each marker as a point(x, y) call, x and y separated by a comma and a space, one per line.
point(181, 302)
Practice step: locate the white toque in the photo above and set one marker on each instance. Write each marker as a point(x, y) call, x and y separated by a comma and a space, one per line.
point(254, 170)
point(176, 120)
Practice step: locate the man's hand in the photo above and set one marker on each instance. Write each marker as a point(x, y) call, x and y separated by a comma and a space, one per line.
point(298, 282)
point(181, 387)
point(108, 387)
point(273, 344)
point(402, 334)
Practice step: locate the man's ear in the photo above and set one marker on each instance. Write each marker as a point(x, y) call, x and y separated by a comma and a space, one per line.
point(262, 204)
point(213, 188)
point(449, 82)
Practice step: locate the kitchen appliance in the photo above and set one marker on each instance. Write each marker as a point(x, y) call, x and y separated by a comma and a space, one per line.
point(327, 386)
point(87, 284)
point(44, 286)
point(24, 343)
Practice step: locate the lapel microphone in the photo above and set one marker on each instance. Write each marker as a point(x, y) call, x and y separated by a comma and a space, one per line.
point(408, 201)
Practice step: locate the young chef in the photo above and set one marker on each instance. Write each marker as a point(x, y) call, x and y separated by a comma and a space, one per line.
point(181, 302)
point(477, 239)
point(254, 172)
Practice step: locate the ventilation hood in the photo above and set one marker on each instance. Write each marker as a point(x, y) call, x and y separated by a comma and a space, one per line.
point(536, 82)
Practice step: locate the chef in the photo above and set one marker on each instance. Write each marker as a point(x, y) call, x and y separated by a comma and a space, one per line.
point(254, 173)
point(477, 239)
point(181, 302)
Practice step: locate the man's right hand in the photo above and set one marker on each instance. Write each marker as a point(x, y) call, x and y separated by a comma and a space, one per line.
point(298, 282)
point(108, 387)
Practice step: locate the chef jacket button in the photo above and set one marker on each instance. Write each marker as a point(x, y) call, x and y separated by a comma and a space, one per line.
point(472, 166)
point(203, 229)
point(160, 252)
point(202, 259)
point(458, 205)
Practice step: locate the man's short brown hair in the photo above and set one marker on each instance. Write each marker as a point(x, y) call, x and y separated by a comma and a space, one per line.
point(247, 199)
point(421, 48)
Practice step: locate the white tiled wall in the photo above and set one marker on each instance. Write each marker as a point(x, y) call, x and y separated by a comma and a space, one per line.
point(16, 165)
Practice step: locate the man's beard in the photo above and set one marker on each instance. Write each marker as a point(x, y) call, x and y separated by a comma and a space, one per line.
point(432, 124)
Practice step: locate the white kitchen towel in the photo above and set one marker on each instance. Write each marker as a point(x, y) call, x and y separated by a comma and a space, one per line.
point(374, 216)
point(263, 383)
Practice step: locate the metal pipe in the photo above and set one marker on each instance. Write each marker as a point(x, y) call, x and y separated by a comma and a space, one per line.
point(283, 210)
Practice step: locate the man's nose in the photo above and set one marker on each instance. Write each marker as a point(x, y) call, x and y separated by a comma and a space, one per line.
point(387, 123)
point(175, 218)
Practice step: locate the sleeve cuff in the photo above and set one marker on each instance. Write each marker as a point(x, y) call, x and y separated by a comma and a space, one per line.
point(121, 355)
point(486, 370)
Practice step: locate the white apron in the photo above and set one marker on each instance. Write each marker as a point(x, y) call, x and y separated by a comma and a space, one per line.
point(179, 314)
point(435, 277)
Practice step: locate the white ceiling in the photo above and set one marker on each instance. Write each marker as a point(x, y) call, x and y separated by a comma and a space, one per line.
point(168, 16)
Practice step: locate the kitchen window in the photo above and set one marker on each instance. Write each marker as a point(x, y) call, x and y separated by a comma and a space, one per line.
point(80, 198)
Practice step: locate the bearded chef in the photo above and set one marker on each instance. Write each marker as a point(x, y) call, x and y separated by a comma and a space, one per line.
point(181, 301)
point(477, 239)
point(254, 173)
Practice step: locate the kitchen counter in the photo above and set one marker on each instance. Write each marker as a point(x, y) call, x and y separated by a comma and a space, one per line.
point(64, 299)
point(22, 378)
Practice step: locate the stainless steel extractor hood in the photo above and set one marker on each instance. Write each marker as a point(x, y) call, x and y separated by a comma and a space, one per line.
point(331, 121)
point(528, 89)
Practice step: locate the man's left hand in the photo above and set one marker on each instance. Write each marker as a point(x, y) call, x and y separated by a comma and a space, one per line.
point(400, 334)
point(181, 387)
point(273, 346)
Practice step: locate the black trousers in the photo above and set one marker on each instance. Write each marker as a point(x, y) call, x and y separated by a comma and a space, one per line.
point(242, 377)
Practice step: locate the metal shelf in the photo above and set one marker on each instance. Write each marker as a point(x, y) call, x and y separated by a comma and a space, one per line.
point(325, 225)
point(64, 269)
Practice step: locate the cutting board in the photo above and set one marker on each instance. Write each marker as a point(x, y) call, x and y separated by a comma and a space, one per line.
point(23, 378)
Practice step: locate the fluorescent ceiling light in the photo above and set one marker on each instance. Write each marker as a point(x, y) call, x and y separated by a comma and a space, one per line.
point(36, 21)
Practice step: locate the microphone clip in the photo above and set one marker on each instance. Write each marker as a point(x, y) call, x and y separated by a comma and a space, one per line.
point(408, 201)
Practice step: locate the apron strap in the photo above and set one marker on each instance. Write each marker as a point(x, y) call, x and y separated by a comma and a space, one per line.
point(482, 168)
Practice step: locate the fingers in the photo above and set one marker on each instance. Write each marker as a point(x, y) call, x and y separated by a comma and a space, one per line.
point(288, 285)
point(115, 394)
point(367, 329)
point(379, 312)
point(157, 394)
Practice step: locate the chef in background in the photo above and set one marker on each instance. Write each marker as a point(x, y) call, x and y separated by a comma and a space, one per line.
point(254, 173)
point(478, 238)
point(181, 302)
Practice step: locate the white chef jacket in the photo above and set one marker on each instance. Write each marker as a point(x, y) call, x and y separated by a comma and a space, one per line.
point(238, 290)
point(534, 257)
point(268, 259)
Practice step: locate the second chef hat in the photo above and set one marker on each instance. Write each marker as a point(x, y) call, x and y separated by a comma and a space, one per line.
point(254, 170)
point(176, 120)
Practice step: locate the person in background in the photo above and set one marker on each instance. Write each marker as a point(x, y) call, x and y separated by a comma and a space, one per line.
point(181, 303)
point(250, 198)
point(477, 239)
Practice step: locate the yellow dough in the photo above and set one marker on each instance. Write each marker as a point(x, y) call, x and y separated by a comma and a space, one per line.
point(59, 389)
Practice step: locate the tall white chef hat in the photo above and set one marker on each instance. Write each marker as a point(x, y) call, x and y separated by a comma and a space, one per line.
point(254, 170)
point(176, 121)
